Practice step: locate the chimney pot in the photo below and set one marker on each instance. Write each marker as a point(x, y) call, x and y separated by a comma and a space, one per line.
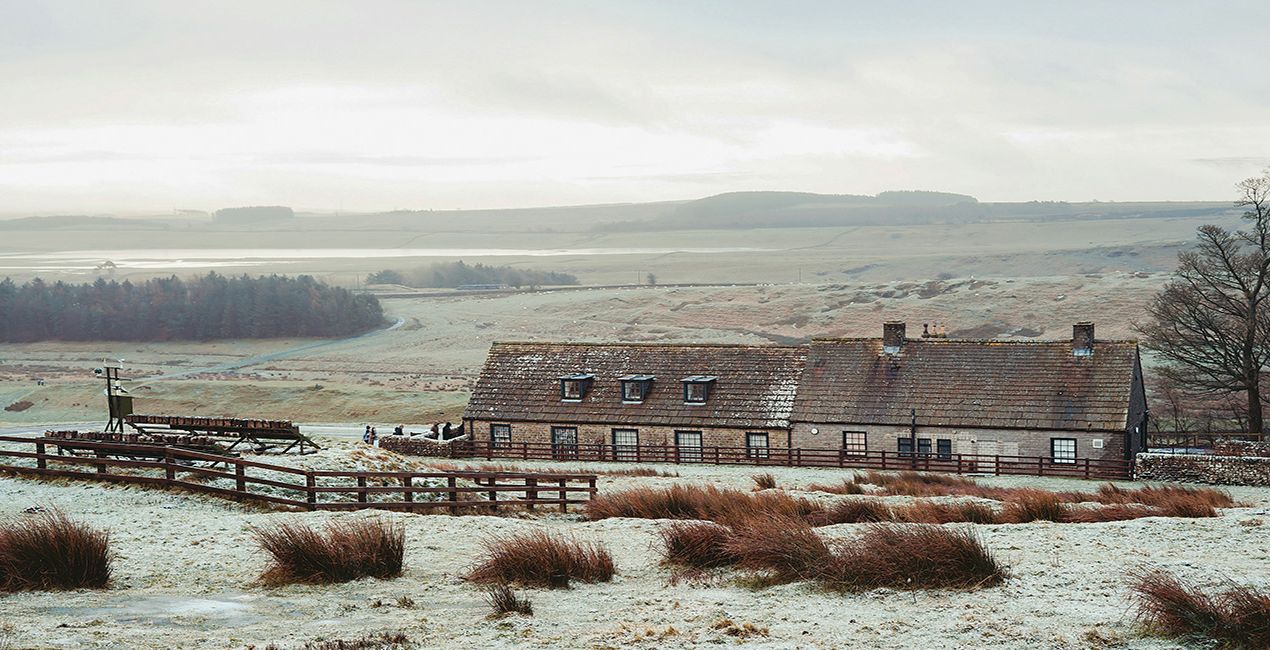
point(925, 330)
point(1083, 339)
point(892, 336)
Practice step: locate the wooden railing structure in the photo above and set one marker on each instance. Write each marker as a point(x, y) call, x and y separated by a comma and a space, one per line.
point(171, 467)
point(1188, 441)
point(1090, 468)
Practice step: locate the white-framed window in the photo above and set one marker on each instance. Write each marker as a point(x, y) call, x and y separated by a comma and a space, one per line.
point(943, 448)
point(688, 446)
point(636, 387)
point(696, 392)
point(564, 442)
point(756, 445)
point(855, 443)
point(500, 435)
point(625, 444)
point(1063, 450)
point(574, 387)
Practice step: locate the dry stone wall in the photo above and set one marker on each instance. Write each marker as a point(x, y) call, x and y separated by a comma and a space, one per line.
point(1204, 468)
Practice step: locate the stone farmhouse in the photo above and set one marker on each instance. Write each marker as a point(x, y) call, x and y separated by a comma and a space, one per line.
point(926, 397)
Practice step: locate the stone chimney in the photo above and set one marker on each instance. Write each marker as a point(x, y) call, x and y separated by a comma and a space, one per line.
point(1083, 339)
point(892, 336)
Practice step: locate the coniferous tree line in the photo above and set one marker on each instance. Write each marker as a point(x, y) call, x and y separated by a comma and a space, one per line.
point(457, 274)
point(165, 309)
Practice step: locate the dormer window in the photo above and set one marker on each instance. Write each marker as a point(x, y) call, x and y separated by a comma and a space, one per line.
point(574, 387)
point(635, 387)
point(697, 388)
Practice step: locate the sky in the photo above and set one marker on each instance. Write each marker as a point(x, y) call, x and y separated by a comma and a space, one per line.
point(131, 107)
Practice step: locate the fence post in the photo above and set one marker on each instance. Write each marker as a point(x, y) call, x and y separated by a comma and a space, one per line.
point(524, 448)
point(996, 465)
point(1086, 468)
point(240, 476)
point(454, 495)
point(883, 459)
point(169, 471)
point(361, 489)
point(40, 462)
point(101, 467)
point(1040, 466)
point(531, 491)
point(310, 495)
point(493, 493)
point(798, 456)
point(407, 493)
point(564, 497)
point(590, 487)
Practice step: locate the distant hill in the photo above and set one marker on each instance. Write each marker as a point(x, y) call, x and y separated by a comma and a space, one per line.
point(255, 214)
point(79, 222)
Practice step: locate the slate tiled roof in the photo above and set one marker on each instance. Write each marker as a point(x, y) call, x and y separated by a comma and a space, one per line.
point(988, 384)
point(755, 386)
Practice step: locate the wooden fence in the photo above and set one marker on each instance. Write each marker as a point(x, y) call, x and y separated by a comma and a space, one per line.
point(171, 467)
point(1090, 468)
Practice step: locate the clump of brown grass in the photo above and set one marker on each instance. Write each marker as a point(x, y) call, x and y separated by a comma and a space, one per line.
point(1238, 617)
point(49, 551)
point(918, 484)
point(381, 641)
point(698, 544)
point(344, 550)
point(764, 481)
point(731, 628)
point(542, 559)
point(1028, 505)
point(698, 502)
point(1162, 495)
point(785, 548)
point(913, 556)
point(496, 467)
point(853, 511)
point(1113, 512)
point(929, 512)
point(504, 601)
point(845, 487)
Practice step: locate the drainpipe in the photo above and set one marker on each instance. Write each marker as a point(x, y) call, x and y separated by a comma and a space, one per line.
point(912, 438)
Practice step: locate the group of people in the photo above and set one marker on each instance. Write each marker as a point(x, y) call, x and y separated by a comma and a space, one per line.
point(440, 431)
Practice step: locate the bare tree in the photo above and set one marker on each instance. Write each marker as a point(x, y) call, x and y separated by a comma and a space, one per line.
point(1211, 322)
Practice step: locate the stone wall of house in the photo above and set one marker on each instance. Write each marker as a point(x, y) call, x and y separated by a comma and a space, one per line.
point(456, 448)
point(602, 434)
point(1242, 448)
point(1204, 468)
point(990, 442)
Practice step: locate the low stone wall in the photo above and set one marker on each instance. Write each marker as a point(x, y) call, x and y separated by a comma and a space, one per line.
point(456, 448)
point(1204, 468)
point(1242, 448)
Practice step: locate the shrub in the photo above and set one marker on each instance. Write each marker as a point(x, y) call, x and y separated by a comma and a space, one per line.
point(542, 559)
point(786, 548)
point(917, 484)
point(1114, 512)
point(698, 544)
point(1028, 505)
point(1191, 505)
point(853, 511)
point(1162, 495)
point(504, 601)
point(913, 556)
point(764, 482)
point(49, 551)
point(1238, 617)
point(381, 641)
point(345, 550)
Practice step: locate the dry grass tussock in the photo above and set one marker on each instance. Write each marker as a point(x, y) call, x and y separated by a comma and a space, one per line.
point(504, 601)
point(696, 544)
point(786, 549)
point(381, 641)
point(916, 556)
point(344, 550)
point(541, 559)
point(49, 551)
point(709, 503)
point(764, 481)
point(1238, 617)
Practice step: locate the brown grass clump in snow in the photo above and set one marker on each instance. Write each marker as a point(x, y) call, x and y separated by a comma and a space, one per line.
point(1238, 617)
point(1114, 512)
point(697, 502)
point(504, 601)
point(929, 512)
point(346, 550)
point(854, 511)
point(845, 487)
point(542, 559)
point(787, 549)
point(381, 641)
point(49, 551)
point(913, 556)
point(1034, 505)
point(496, 467)
point(1163, 495)
point(764, 481)
point(697, 544)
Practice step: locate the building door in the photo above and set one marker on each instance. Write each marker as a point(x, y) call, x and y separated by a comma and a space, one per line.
point(625, 444)
point(564, 443)
point(688, 446)
point(985, 456)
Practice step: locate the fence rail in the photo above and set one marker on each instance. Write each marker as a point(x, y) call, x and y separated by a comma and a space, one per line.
point(1091, 468)
point(174, 467)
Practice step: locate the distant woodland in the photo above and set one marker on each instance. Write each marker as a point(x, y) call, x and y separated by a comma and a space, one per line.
point(168, 309)
point(458, 274)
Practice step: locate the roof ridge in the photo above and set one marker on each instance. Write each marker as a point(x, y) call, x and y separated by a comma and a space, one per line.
point(653, 344)
point(946, 341)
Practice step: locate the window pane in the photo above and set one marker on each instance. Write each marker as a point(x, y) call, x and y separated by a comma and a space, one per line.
point(564, 442)
point(625, 444)
point(943, 447)
point(572, 390)
point(756, 445)
point(688, 445)
point(694, 392)
point(904, 445)
point(633, 391)
point(500, 435)
point(923, 446)
point(1063, 450)
point(855, 443)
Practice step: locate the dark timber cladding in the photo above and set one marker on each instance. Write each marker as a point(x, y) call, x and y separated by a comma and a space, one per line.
point(751, 386)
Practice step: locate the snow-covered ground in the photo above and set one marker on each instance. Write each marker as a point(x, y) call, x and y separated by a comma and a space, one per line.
point(186, 565)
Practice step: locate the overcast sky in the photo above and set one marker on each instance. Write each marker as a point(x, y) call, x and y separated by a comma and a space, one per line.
point(152, 106)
